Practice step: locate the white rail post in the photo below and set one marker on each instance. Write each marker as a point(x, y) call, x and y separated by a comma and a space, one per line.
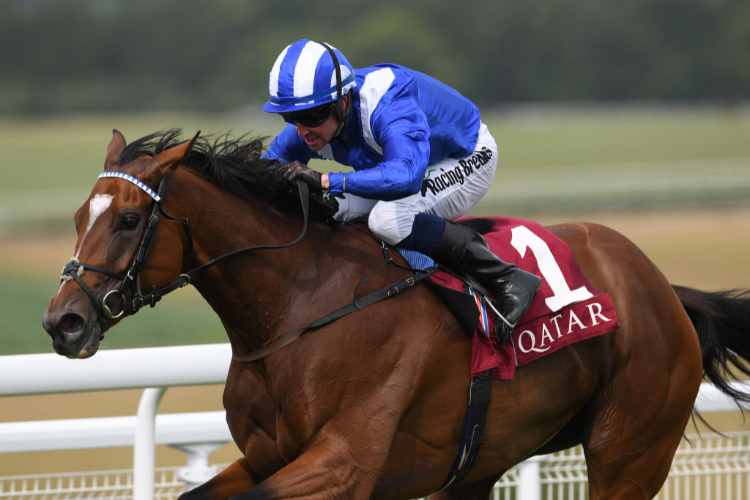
point(529, 479)
point(144, 451)
point(197, 471)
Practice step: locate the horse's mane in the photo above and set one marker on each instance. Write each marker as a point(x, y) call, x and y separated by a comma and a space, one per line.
point(236, 164)
point(232, 163)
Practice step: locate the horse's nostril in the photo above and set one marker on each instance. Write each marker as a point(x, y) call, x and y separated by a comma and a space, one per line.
point(71, 323)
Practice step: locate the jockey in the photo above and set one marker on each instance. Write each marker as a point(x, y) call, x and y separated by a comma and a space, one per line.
point(420, 153)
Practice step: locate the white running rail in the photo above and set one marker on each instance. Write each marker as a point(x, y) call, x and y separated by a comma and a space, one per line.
point(154, 369)
point(562, 475)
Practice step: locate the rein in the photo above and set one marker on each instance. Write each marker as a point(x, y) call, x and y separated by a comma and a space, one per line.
point(132, 278)
point(185, 279)
point(355, 305)
point(479, 391)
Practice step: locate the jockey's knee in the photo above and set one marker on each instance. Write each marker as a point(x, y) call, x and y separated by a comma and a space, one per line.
point(427, 232)
point(388, 226)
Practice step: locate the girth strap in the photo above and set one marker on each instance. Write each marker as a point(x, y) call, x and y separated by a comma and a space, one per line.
point(476, 417)
point(356, 305)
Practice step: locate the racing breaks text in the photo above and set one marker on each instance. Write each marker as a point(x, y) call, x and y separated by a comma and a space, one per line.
point(455, 175)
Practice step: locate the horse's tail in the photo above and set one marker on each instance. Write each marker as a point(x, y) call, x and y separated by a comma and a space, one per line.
point(722, 320)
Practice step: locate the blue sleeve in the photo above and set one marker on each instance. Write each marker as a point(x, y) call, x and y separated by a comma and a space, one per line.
point(401, 127)
point(288, 147)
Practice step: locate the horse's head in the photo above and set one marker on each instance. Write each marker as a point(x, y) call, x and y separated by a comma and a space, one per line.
point(111, 225)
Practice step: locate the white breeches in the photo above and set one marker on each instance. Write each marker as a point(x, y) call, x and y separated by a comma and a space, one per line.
point(450, 188)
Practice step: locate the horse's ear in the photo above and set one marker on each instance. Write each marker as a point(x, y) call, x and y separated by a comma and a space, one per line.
point(114, 150)
point(169, 159)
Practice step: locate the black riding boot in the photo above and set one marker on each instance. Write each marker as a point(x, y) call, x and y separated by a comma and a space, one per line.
point(464, 250)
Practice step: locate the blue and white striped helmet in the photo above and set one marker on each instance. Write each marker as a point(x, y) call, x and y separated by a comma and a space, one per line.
point(304, 76)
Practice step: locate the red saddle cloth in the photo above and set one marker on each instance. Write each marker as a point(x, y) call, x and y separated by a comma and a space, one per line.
point(566, 309)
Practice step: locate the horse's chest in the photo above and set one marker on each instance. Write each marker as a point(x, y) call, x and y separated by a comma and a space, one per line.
point(251, 418)
point(266, 446)
point(287, 445)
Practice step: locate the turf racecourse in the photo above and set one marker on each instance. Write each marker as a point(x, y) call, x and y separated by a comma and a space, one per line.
point(549, 171)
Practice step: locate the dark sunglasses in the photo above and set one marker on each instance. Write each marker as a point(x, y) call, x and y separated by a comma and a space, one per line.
point(313, 117)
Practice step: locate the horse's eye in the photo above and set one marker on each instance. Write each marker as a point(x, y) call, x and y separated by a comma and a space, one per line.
point(130, 221)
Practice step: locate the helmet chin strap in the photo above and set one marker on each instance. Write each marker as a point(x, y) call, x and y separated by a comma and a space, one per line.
point(341, 114)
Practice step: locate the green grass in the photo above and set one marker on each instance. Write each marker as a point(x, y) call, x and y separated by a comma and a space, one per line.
point(554, 143)
point(180, 319)
point(68, 152)
point(558, 161)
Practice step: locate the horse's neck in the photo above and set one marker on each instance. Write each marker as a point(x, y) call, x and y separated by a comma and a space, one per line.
point(239, 289)
point(261, 294)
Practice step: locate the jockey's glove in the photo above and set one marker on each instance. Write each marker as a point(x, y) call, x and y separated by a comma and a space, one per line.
point(296, 171)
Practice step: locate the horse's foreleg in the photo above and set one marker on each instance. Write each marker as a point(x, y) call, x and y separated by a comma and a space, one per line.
point(331, 467)
point(230, 482)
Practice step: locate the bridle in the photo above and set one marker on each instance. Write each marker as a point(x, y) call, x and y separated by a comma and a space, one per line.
point(132, 277)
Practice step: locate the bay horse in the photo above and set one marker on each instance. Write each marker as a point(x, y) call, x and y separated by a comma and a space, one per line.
point(372, 405)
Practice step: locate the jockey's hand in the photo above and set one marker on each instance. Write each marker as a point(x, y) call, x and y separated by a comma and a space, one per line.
point(297, 171)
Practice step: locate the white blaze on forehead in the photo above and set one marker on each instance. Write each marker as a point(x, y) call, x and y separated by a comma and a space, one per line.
point(97, 206)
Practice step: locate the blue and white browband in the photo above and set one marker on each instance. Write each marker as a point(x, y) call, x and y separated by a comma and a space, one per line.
point(132, 179)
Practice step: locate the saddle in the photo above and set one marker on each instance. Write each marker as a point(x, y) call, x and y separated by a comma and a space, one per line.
point(567, 308)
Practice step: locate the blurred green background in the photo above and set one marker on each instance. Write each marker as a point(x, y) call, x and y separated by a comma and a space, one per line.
point(597, 108)
point(179, 55)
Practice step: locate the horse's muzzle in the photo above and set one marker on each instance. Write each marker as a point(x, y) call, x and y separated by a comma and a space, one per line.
point(72, 335)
